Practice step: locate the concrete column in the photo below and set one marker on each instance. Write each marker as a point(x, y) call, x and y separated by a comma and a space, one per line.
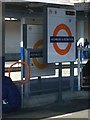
point(2, 50)
point(22, 43)
point(89, 31)
point(80, 31)
point(81, 40)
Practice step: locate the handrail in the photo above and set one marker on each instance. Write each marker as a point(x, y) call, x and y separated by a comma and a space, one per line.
point(19, 83)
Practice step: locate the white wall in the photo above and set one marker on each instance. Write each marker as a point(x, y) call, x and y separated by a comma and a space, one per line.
point(12, 36)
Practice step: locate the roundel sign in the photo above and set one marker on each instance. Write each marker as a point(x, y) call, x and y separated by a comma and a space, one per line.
point(35, 61)
point(57, 49)
point(60, 35)
point(61, 53)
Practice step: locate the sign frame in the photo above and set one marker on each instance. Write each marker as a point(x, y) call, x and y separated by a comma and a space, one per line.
point(69, 12)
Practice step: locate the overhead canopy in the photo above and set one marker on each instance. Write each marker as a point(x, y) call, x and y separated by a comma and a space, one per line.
point(85, 6)
point(65, 2)
point(25, 8)
point(83, 10)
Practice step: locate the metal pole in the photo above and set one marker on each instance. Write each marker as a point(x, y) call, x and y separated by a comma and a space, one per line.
point(60, 83)
point(79, 75)
point(22, 59)
point(27, 86)
point(72, 76)
point(40, 84)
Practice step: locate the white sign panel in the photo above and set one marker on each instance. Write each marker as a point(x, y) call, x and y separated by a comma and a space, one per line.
point(34, 36)
point(35, 43)
point(60, 35)
point(38, 68)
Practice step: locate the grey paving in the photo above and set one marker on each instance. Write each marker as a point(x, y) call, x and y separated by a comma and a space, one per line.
point(73, 105)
